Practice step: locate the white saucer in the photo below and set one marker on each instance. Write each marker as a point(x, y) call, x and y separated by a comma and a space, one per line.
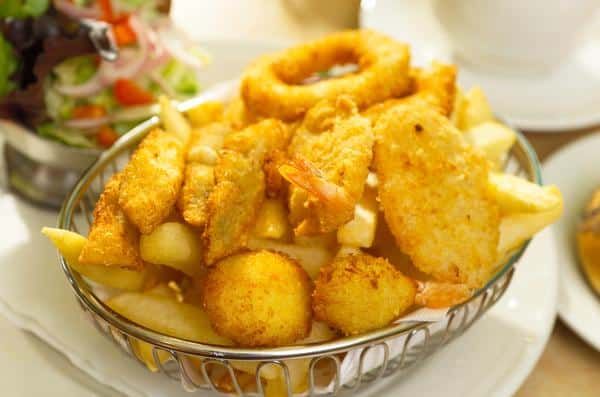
point(492, 359)
point(566, 98)
point(576, 171)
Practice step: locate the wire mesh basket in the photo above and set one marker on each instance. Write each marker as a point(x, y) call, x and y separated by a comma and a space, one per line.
point(337, 367)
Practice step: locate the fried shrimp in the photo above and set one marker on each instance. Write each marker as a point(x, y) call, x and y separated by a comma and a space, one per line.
point(359, 292)
point(433, 190)
point(113, 240)
point(240, 186)
point(152, 179)
point(329, 162)
point(272, 87)
point(434, 86)
point(199, 177)
point(258, 299)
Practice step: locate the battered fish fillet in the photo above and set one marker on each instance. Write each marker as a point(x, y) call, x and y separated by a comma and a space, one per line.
point(232, 205)
point(113, 240)
point(240, 186)
point(330, 157)
point(152, 179)
point(433, 190)
point(435, 86)
point(199, 172)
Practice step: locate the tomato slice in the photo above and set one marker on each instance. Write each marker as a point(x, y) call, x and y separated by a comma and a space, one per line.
point(128, 93)
point(107, 10)
point(124, 35)
point(106, 137)
point(88, 112)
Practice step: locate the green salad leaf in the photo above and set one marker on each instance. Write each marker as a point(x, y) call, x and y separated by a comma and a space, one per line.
point(182, 79)
point(8, 66)
point(65, 135)
point(23, 8)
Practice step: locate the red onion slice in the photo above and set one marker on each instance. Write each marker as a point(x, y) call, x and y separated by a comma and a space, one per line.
point(77, 12)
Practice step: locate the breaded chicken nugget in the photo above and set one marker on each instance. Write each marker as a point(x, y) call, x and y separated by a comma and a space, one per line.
point(113, 240)
point(330, 156)
point(258, 299)
point(435, 86)
point(152, 179)
point(434, 194)
point(359, 292)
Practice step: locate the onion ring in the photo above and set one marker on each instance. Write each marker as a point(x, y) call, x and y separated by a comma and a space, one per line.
point(272, 86)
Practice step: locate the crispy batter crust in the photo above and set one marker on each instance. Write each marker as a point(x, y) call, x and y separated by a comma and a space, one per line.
point(433, 190)
point(435, 87)
point(258, 299)
point(338, 142)
point(271, 86)
point(359, 292)
point(152, 179)
point(113, 240)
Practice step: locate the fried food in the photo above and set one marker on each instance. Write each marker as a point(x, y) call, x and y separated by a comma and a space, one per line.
point(439, 295)
point(329, 162)
point(271, 87)
point(112, 240)
point(494, 139)
point(517, 195)
point(151, 181)
point(240, 187)
point(232, 205)
point(167, 316)
point(272, 220)
point(588, 241)
point(237, 115)
point(173, 121)
point(360, 231)
point(175, 245)
point(70, 245)
point(205, 113)
point(199, 178)
point(434, 192)
point(434, 87)
point(258, 299)
point(472, 110)
point(358, 293)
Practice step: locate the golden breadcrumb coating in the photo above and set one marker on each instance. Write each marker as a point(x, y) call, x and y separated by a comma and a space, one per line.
point(434, 86)
point(433, 190)
point(332, 149)
point(358, 293)
point(258, 299)
point(152, 179)
point(112, 240)
point(240, 186)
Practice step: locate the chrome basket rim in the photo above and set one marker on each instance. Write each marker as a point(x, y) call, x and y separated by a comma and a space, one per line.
point(93, 304)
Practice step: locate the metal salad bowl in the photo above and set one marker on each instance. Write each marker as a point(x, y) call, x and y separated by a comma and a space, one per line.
point(349, 362)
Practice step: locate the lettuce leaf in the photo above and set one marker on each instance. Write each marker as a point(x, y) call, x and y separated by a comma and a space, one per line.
point(8, 66)
point(23, 8)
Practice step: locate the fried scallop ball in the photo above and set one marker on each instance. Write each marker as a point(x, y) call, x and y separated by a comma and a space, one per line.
point(359, 292)
point(258, 299)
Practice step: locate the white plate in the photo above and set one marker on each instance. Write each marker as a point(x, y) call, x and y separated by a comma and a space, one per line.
point(492, 359)
point(576, 171)
point(566, 98)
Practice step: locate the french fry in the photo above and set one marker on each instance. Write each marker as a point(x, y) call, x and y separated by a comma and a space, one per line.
point(272, 221)
point(70, 245)
point(173, 121)
point(175, 245)
point(494, 139)
point(205, 113)
point(517, 195)
point(517, 228)
point(360, 231)
point(474, 111)
point(167, 316)
point(311, 258)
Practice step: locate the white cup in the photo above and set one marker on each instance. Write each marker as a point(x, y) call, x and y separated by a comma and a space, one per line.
point(514, 35)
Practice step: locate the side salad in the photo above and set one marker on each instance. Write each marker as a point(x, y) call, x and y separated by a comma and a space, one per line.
point(53, 80)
